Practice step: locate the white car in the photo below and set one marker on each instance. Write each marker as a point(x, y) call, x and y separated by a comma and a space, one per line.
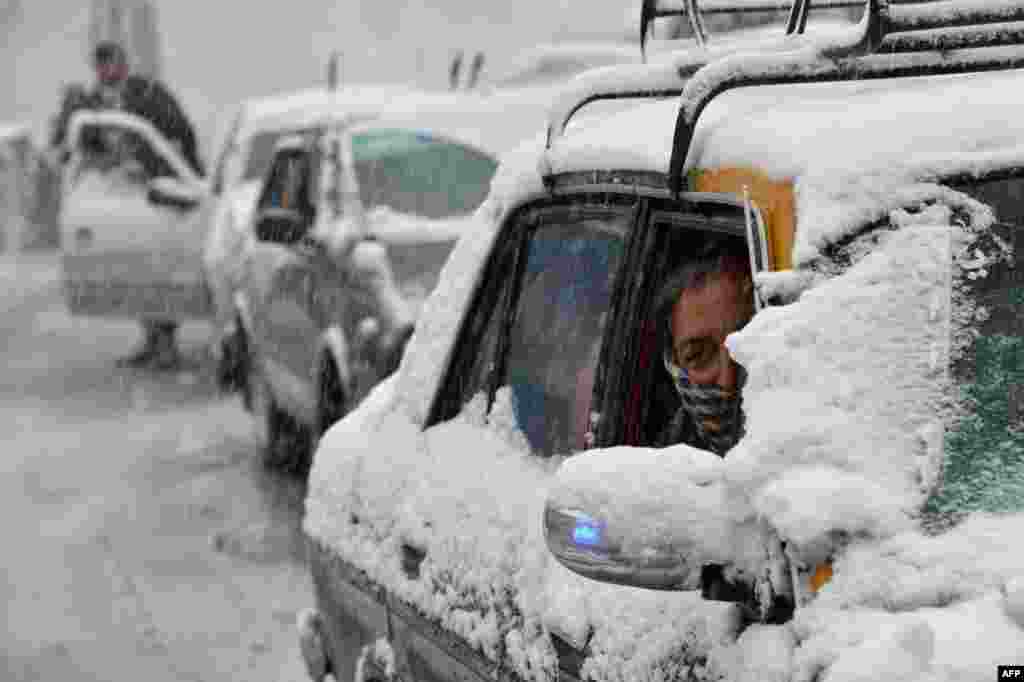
point(241, 164)
point(867, 519)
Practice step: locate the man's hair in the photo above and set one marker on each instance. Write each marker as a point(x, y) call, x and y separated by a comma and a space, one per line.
point(109, 51)
point(717, 256)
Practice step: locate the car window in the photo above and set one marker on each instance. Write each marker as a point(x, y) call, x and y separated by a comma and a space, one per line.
point(420, 174)
point(983, 458)
point(570, 263)
point(289, 184)
point(559, 265)
point(261, 150)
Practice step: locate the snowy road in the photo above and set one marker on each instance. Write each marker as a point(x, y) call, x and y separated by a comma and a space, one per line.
point(142, 541)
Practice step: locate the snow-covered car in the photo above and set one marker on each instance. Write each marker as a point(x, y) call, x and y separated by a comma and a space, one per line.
point(242, 162)
point(345, 251)
point(878, 483)
point(130, 236)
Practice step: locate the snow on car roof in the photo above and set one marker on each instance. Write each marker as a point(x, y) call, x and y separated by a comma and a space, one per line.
point(307, 107)
point(13, 130)
point(496, 123)
point(908, 129)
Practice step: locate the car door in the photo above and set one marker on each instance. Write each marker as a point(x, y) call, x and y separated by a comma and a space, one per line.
point(125, 253)
point(282, 281)
point(529, 349)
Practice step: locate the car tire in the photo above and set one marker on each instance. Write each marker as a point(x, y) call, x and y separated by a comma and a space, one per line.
point(289, 445)
point(332, 401)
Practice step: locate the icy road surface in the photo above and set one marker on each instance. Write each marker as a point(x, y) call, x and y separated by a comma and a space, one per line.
point(141, 539)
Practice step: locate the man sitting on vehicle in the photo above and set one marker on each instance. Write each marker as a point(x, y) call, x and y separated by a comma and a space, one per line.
point(702, 303)
point(116, 88)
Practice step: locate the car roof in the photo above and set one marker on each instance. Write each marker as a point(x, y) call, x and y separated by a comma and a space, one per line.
point(950, 123)
point(305, 108)
point(495, 123)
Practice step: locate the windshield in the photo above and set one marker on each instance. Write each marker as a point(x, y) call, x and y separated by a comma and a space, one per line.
point(420, 174)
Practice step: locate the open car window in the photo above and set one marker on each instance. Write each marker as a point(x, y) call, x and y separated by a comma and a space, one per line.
point(420, 174)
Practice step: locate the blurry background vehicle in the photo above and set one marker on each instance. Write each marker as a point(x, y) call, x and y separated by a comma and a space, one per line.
point(337, 271)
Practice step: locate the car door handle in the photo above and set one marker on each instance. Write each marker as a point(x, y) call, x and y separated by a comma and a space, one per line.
point(412, 557)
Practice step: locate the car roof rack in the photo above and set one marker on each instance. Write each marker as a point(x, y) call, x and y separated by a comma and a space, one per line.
point(667, 77)
point(891, 41)
point(695, 11)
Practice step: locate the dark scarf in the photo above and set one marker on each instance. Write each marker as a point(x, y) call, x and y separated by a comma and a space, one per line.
point(710, 417)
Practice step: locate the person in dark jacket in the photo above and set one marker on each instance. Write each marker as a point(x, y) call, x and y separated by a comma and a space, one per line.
point(148, 98)
point(117, 88)
point(701, 304)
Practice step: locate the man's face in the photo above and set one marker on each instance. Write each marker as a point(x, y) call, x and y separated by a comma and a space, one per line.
point(111, 72)
point(701, 320)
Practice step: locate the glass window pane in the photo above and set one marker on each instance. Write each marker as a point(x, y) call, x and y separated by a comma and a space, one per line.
point(983, 468)
point(261, 150)
point(560, 316)
point(417, 174)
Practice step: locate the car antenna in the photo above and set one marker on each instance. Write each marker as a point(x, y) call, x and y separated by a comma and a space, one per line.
point(453, 72)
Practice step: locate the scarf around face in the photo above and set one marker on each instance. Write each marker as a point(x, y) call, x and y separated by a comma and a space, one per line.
point(716, 413)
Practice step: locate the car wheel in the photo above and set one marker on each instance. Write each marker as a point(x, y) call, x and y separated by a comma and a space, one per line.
point(289, 442)
point(332, 403)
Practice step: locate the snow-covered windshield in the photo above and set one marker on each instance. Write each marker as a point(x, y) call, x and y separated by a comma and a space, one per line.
point(419, 174)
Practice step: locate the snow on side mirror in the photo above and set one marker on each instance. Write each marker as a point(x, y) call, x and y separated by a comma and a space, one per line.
point(643, 517)
point(171, 192)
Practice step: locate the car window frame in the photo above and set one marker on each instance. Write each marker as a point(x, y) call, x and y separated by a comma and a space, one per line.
point(501, 295)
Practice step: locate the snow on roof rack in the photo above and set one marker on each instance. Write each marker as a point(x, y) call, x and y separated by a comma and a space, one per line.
point(666, 79)
point(892, 41)
point(695, 9)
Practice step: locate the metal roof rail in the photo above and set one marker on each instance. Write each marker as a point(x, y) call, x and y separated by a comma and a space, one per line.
point(666, 79)
point(695, 11)
point(892, 41)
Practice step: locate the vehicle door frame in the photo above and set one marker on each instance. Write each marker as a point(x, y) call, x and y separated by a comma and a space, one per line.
point(289, 378)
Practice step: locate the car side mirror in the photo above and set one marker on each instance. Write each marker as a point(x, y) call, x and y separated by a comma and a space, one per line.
point(280, 225)
point(643, 517)
point(172, 193)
